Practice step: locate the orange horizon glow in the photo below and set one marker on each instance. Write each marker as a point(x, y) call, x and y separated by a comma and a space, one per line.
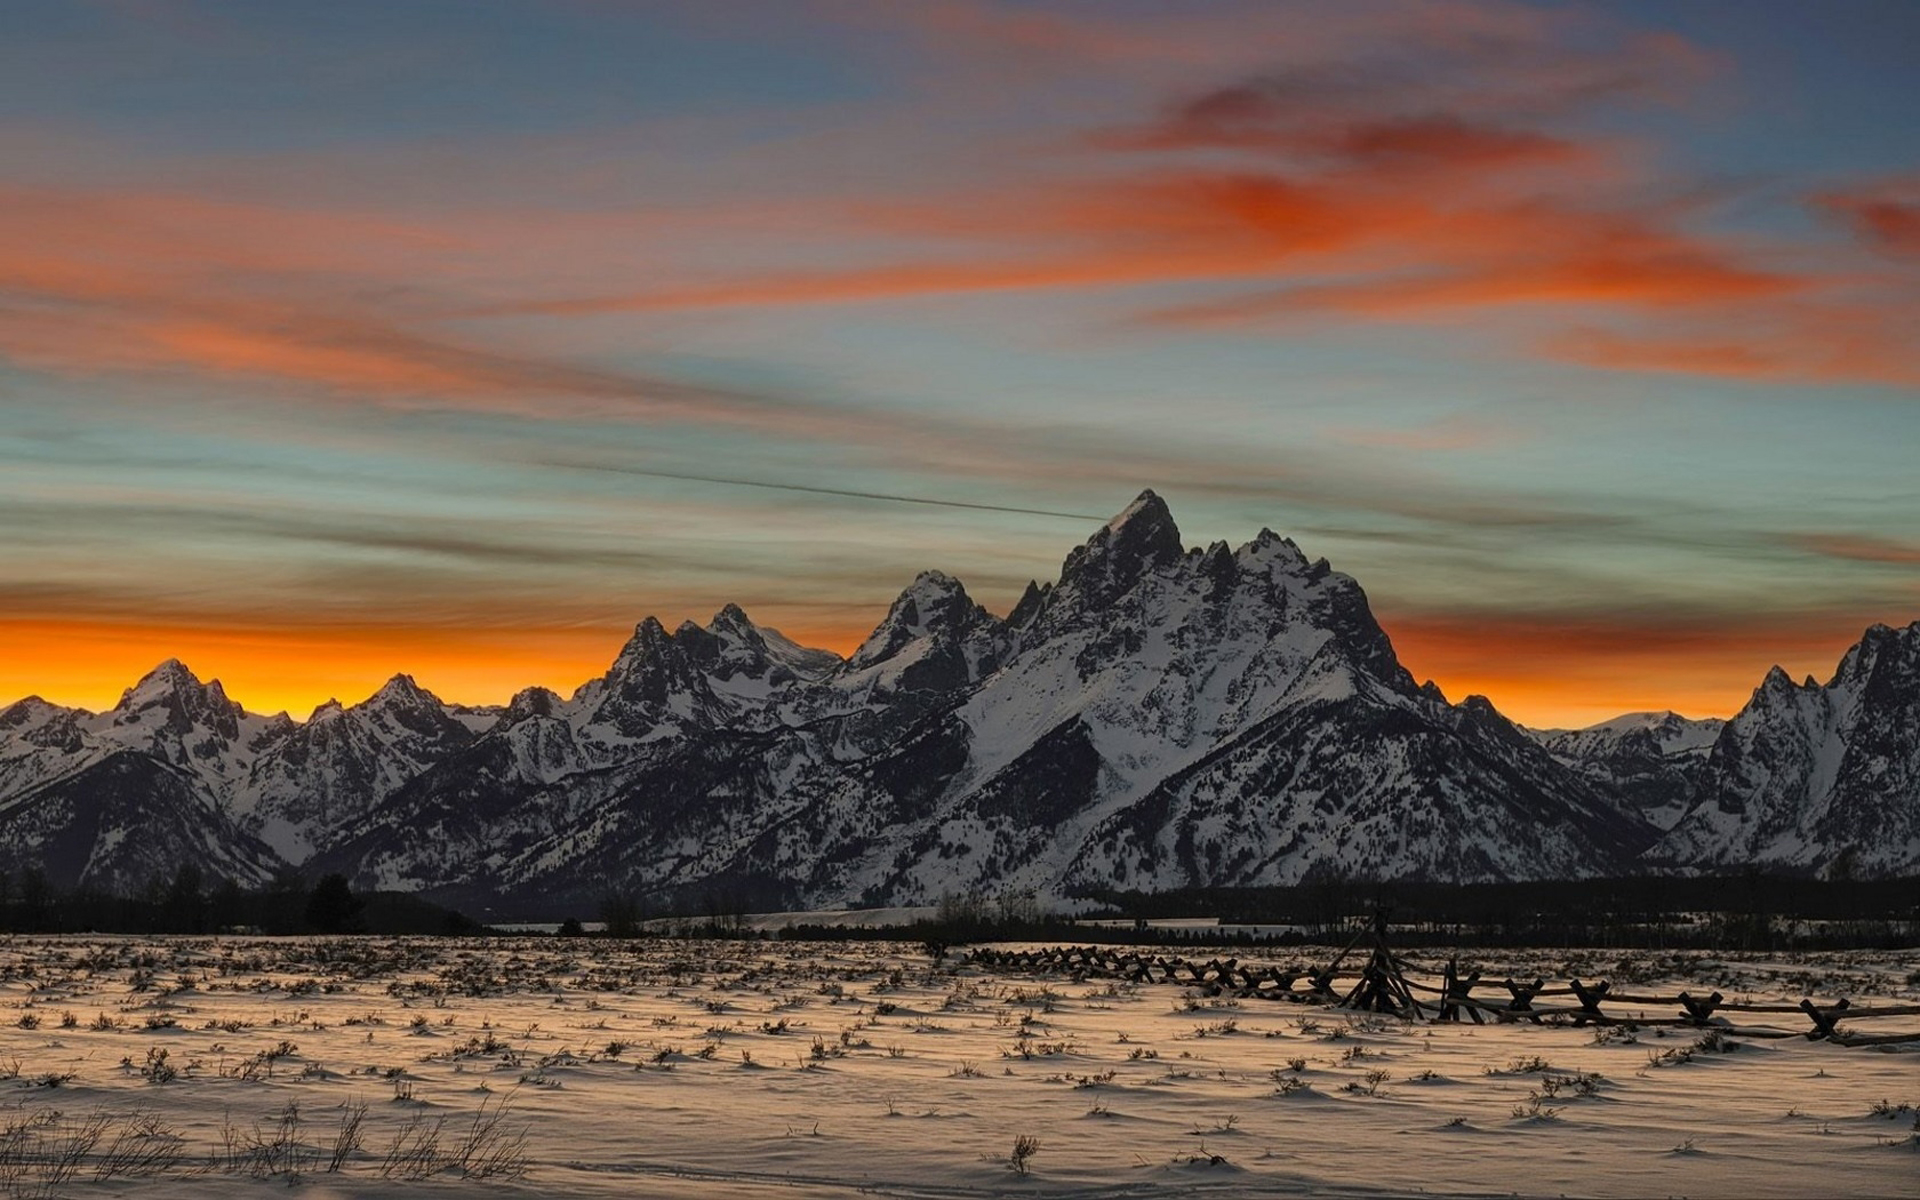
point(268, 670)
point(1515, 304)
point(1535, 673)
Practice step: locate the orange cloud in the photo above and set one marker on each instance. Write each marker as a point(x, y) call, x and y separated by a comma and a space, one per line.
point(1860, 549)
point(1449, 175)
point(338, 305)
point(1344, 195)
point(1816, 342)
point(1886, 216)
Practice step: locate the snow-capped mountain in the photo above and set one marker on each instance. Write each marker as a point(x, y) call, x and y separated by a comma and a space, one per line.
point(316, 777)
point(1159, 716)
point(121, 820)
point(1816, 776)
point(109, 799)
point(1651, 760)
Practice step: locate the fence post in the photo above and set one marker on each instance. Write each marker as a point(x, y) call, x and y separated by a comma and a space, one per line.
point(1699, 1011)
point(1825, 1019)
point(1590, 998)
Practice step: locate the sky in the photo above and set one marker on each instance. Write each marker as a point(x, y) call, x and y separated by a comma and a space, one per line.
point(456, 336)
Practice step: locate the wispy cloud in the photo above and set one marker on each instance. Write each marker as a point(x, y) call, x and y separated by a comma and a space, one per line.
point(1885, 214)
point(1458, 176)
point(1860, 548)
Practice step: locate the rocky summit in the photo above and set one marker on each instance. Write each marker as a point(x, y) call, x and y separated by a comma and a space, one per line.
point(1160, 716)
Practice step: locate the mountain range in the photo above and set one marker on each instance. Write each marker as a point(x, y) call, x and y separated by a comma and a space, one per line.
point(1159, 716)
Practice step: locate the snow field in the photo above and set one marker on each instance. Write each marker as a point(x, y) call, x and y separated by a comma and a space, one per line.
point(685, 1068)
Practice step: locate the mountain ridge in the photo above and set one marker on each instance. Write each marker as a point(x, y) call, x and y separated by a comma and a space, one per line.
point(1158, 716)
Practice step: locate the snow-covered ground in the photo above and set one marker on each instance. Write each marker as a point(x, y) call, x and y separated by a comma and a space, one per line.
point(674, 1068)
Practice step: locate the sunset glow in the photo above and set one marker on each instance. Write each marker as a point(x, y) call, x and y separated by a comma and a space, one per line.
point(455, 338)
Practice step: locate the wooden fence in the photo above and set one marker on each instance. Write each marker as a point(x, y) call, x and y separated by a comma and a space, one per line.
point(1387, 983)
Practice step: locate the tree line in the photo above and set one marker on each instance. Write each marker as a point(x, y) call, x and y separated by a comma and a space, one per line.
point(190, 902)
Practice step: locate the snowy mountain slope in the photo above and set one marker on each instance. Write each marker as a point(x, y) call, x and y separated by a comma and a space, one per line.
point(954, 751)
point(40, 741)
point(327, 772)
point(1671, 733)
point(1652, 761)
point(1361, 781)
point(1814, 776)
point(121, 821)
point(269, 789)
point(1158, 716)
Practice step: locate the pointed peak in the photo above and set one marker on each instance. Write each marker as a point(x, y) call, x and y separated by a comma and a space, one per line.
point(649, 633)
point(1146, 506)
point(934, 605)
point(1217, 560)
point(326, 710)
point(1142, 537)
point(1147, 510)
point(171, 677)
point(732, 624)
point(650, 643)
point(931, 594)
point(170, 671)
point(934, 584)
point(1268, 546)
point(29, 710)
point(1031, 602)
point(401, 689)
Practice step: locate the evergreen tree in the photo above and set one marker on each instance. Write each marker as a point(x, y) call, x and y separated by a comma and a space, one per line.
point(184, 908)
point(333, 908)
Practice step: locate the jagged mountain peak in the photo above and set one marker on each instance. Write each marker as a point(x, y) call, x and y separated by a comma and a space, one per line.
point(326, 710)
point(932, 588)
point(1138, 539)
point(1147, 508)
point(1270, 550)
point(733, 628)
point(402, 691)
point(169, 678)
point(1817, 777)
point(1160, 717)
point(731, 618)
point(1031, 602)
point(174, 698)
point(649, 640)
point(935, 606)
point(728, 645)
point(28, 710)
point(1778, 681)
point(731, 645)
point(1879, 647)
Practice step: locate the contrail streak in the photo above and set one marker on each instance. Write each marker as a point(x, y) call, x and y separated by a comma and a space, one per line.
point(827, 491)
